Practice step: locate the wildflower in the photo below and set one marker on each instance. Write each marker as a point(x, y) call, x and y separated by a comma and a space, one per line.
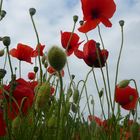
point(92, 55)
point(31, 75)
point(95, 12)
point(22, 53)
point(127, 97)
point(73, 44)
point(35, 52)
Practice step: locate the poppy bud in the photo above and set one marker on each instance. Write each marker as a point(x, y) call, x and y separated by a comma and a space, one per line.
point(31, 75)
point(35, 69)
point(76, 96)
point(42, 96)
point(2, 14)
point(52, 122)
point(57, 58)
point(81, 22)
point(1, 52)
point(72, 76)
point(75, 18)
point(121, 22)
point(6, 41)
point(46, 64)
point(2, 73)
point(101, 93)
point(123, 83)
point(32, 11)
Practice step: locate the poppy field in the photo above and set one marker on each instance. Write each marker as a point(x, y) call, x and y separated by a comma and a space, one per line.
point(47, 107)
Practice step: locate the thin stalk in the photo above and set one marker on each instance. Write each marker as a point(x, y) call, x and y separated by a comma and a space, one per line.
point(118, 62)
point(106, 66)
point(5, 61)
point(1, 5)
point(98, 92)
point(38, 43)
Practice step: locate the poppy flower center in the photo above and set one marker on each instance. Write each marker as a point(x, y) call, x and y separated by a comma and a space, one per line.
point(95, 14)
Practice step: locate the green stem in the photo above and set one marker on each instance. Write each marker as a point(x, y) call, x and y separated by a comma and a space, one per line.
point(106, 66)
point(117, 69)
point(98, 92)
point(5, 61)
point(38, 43)
point(1, 5)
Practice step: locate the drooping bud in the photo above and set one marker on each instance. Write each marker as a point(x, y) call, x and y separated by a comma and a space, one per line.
point(72, 76)
point(81, 22)
point(101, 92)
point(1, 52)
point(57, 58)
point(121, 22)
point(2, 73)
point(2, 14)
point(75, 18)
point(76, 96)
point(123, 83)
point(6, 41)
point(32, 11)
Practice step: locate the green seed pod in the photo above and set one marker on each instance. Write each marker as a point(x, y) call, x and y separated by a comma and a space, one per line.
point(35, 69)
point(76, 96)
point(6, 41)
point(57, 58)
point(121, 22)
point(32, 11)
point(42, 96)
point(2, 73)
point(75, 18)
point(123, 83)
point(1, 52)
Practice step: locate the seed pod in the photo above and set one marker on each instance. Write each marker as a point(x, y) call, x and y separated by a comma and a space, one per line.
point(123, 83)
point(57, 58)
point(35, 69)
point(32, 11)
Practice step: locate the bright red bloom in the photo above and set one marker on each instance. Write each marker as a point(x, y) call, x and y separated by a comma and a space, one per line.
point(35, 52)
point(65, 36)
point(91, 53)
point(31, 75)
point(33, 84)
point(52, 90)
point(51, 70)
point(23, 95)
point(22, 53)
point(127, 97)
point(96, 11)
point(2, 124)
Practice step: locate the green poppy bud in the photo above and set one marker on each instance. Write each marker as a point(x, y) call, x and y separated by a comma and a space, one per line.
point(101, 93)
point(35, 69)
point(1, 52)
point(42, 96)
point(121, 22)
point(2, 73)
point(2, 14)
point(75, 18)
point(32, 11)
point(57, 58)
point(81, 22)
point(76, 96)
point(123, 83)
point(6, 41)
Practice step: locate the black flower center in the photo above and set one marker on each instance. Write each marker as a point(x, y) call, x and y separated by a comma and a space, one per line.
point(95, 14)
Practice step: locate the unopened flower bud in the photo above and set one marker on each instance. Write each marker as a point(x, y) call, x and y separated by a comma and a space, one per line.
point(72, 76)
point(101, 93)
point(2, 73)
point(81, 22)
point(121, 22)
point(2, 14)
point(35, 69)
point(1, 52)
point(123, 83)
point(6, 41)
point(32, 11)
point(57, 58)
point(75, 18)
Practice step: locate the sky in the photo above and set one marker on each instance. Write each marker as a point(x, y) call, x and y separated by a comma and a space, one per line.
point(54, 16)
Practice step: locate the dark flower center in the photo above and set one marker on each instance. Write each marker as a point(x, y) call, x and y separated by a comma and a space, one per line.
point(95, 14)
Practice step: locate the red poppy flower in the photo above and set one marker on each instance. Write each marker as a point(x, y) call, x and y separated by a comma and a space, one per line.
point(35, 52)
point(2, 124)
point(91, 53)
point(96, 119)
point(65, 36)
point(23, 95)
point(127, 97)
point(23, 52)
point(51, 70)
point(33, 84)
point(52, 90)
point(31, 75)
point(96, 11)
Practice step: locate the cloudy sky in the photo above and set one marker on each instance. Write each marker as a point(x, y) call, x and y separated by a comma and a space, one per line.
point(53, 16)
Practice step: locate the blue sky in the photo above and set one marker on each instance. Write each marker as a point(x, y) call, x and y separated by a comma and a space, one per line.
point(53, 16)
